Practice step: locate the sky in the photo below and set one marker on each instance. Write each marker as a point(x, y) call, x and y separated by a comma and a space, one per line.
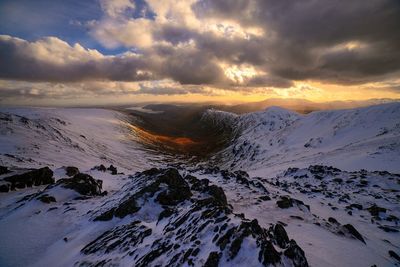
point(57, 52)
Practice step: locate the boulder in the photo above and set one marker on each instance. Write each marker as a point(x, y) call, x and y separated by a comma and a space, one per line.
point(34, 177)
point(82, 183)
point(112, 169)
point(280, 235)
point(350, 228)
point(296, 254)
point(71, 171)
point(4, 170)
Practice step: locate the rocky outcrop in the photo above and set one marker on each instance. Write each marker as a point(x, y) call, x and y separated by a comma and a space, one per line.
point(71, 171)
point(36, 177)
point(190, 216)
point(82, 183)
point(176, 191)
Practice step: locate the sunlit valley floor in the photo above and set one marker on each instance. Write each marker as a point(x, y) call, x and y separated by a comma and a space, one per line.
point(181, 185)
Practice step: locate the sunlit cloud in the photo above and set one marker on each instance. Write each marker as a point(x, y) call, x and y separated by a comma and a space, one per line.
point(212, 49)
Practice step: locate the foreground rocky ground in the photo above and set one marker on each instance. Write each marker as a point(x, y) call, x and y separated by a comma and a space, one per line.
point(196, 216)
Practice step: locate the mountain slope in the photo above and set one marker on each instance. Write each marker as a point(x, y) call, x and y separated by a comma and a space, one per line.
point(188, 212)
point(351, 139)
point(56, 137)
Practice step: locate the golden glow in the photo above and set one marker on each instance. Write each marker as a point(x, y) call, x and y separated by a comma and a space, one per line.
point(239, 74)
point(151, 139)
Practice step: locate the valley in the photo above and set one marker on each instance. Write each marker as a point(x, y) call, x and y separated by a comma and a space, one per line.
point(196, 186)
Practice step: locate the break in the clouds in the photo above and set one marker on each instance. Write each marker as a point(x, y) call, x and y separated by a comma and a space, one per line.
point(231, 45)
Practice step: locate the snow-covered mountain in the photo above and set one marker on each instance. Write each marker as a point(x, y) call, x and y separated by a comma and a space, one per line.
point(79, 188)
point(351, 139)
point(31, 137)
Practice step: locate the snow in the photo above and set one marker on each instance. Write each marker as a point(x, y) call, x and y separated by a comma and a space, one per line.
point(266, 144)
point(61, 137)
point(353, 139)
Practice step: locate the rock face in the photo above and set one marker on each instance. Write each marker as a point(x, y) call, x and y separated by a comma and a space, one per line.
point(82, 183)
point(354, 232)
point(177, 190)
point(3, 170)
point(42, 176)
point(174, 222)
point(71, 171)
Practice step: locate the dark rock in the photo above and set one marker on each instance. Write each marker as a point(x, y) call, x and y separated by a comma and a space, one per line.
point(338, 180)
point(165, 214)
point(280, 235)
point(374, 210)
point(269, 255)
point(71, 171)
point(357, 206)
point(115, 239)
point(5, 188)
point(213, 259)
point(82, 183)
point(295, 253)
point(101, 168)
point(218, 194)
point(333, 220)
point(388, 229)
point(112, 169)
point(178, 188)
point(284, 202)
point(177, 191)
point(394, 255)
point(47, 199)
point(35, 177)
point(265, 198)
point(4, 170)
point(297, 217)
point(350, 228)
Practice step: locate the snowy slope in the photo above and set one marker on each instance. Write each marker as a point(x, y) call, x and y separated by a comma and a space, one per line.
point(62, 137)
point(351, 139)
point(197, 214)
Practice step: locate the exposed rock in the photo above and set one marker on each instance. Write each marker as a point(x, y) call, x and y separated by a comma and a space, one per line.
point(82, 183)
point(112, 169)
point(35, 177)
point(101, 168)
point(394, 255)
point(218, 194)
point(285, 202)
point(388, 229)
point(333, 220)
point(357, 206)
point(177, 191)
point(4, 170)
point(268, 254)
point(183, 228)
point(295, 253)
point(280, 235)
point(375, 210)
point(350, 228)
point(132, 234)
point(71, 171)
point(47, 198)
point(5, 187)
point(213, 259)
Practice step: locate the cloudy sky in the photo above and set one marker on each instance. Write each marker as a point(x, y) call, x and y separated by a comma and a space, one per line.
point(56, 52)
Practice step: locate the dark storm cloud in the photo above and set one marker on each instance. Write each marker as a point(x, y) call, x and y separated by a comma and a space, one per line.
point(300, 34)
point(345, 42)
